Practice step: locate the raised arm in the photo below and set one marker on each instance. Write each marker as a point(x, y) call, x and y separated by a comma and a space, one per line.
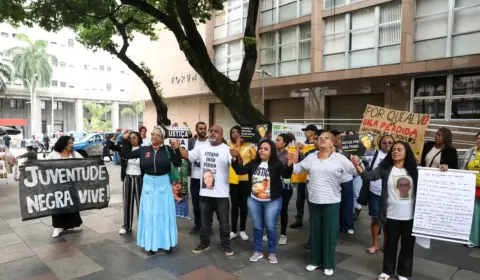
point(176, 157)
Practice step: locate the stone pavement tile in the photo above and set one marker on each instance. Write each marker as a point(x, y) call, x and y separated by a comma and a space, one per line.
point(121, 239)
point(231, 264)
point(178, 264)
point(264, 270)
point(463, 274)
point(116, 260)
point(27, 268)
point(46, 220)
point(448, 253)
point(363, 277)
point(433, 269)
point(100, 224)
point(4, 227)
point(139, 251)
point(70, 268)
point(153, 274)
point(475, 253)
point(208, 272)
point(41, 239)
point(17, 222)
point(116, 198)
point(8, 207)
point(9, 239)
point(362, 265)
point(32, 229)
point(85, 236)
point(15, 252)
point(46, 276)
point(53, 252)
point(11, 215)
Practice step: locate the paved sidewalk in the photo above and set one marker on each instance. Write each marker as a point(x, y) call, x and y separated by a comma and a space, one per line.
point(27, 251)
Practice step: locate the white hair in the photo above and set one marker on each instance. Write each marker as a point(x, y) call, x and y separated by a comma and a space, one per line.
point(159, 129)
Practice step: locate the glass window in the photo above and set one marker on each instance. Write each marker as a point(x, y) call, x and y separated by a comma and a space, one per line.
point(63, 84)
point(16, 103)
point(434, 107)
point(70, 43)
point(228, 58)
point(334, 3)
point(54, 83)
point(287, 10)
point(63, 64)
point(86, 66)
point(42, 105)
point(109, 69)
point(101, 68)
point(275, 11)
point(430, 87)
point(109, 87)
point(4, 34)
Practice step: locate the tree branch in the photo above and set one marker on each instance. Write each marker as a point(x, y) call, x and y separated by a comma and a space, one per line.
point(250, 45)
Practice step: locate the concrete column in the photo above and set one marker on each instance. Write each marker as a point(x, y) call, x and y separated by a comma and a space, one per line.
point(115, 115)
point(79, 115)
point(316, 60)
point(35, 117)
point(408, 31)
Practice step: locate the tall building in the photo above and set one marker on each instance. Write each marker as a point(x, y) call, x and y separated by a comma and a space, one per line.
point(330, 58)
point(80, 76)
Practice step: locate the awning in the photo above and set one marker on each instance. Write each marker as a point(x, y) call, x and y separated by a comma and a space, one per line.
point(13, 122)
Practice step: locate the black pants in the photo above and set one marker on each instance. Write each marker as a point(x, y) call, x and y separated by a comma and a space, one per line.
point(287, 195)
point(301, 197)
point(106, 153)
point(67, 221)
point(221, 206)
point(195, 193)
point(239, 195)
point(395, 230)
point(132, 190)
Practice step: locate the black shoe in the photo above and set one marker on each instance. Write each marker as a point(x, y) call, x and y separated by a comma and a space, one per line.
point(169, 251)
point(297, 224)
point(228, 252)
point(151, 253)
point(194, 230)
point(357, 214)
point(200, 248)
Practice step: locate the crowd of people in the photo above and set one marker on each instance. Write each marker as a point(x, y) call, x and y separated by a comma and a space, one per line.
point(237, 180)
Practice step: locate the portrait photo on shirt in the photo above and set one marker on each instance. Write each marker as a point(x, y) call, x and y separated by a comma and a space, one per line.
point(208, 181)
point(403, 187)
point(261, 183)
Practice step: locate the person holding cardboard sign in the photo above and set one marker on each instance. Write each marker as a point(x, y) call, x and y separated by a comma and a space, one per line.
point(239, 185)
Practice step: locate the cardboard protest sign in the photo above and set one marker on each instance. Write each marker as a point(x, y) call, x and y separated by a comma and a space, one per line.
point(179, 133)
point(255, 133)
point(50, 187)
point(357, 144)
point(294, 128)
point(401, 125)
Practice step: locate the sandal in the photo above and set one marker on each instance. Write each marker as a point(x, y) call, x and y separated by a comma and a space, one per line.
point(383, 276)
point(372, 250)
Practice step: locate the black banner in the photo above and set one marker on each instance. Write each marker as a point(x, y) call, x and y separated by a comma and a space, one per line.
point(49, 187)
point(357, 144)
point(256, 133)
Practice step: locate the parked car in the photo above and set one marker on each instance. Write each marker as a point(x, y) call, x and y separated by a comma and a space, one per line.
point(91, 144)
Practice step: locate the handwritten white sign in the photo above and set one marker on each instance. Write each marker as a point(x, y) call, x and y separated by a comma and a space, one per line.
point(444, 204)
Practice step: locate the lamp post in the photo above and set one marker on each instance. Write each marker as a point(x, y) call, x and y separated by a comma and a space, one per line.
point(263, 73)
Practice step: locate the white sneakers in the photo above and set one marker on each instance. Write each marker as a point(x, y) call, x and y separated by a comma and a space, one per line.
point(256, 256)
point(57, 232)
point(243, 235)
point(283, 240)
point(327, 272)
point(265, 238)
point(350, 231)
point(122, 231)
point(385, 276)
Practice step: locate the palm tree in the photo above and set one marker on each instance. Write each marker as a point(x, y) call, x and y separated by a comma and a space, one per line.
point(5, 76)
point(136, 109)
point(33, 65)
point(97, 113)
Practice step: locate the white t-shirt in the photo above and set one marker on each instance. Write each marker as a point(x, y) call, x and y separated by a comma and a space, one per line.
point(133, 166)
point(376, 186)
point(261, 183)
point(146, 142)
point(400, 195)
point(196, 170)
point(214, 167)
point(429, 157)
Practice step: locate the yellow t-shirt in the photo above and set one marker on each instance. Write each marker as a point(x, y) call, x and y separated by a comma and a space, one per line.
point(302, 177)
point(474, 165)
point(248, 153)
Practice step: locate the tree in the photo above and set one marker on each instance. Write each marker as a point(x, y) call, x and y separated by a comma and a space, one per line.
point(136, 109)
point(97, 22)
point(33, 65)
point(97, 122)
point(5, 76)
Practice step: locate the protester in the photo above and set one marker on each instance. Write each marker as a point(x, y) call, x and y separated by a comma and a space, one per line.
point(29, 155)
point(131, 176)
point(310, 133)
point(472, 162)
point(106, 151)
point(34, 143)
point(440, 151)
point(7, 140)
point(265, 201)
point(117, 137)
point(195, 173)
point(63, 149)
point(375, 189)
point(325, 169)
point(145, 140)
point(157, 224)
point(215, 160)
point(399, 175)
point(282, 141)
point(240, 187)
point(346, 204)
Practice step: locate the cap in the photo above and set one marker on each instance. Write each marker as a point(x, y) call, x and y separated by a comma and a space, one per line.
point(142, 127)
point(311, 127)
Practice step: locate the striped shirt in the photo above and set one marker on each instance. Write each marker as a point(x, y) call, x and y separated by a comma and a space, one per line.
point(325, 176)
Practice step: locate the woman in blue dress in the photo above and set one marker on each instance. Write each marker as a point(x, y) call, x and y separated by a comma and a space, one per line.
point(157, 225)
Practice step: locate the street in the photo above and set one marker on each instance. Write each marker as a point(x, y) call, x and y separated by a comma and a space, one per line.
point(28, 251)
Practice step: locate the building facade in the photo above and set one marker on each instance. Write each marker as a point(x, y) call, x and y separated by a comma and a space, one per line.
point(330, 58)
point(80, 76)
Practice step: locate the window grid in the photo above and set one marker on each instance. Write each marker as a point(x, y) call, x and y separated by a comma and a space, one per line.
point(348, 32)
point(297, 42)
point(270, 9)
point(228, 28)
point(226, 57)
point(449, 97)
point(450, 33)
point(330, 4)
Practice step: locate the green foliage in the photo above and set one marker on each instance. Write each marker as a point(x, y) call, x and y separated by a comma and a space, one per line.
point(136, 109)
point(13, 12)
point(97, 123)
point(250, 41)
point(6, 74)
point(32, 63)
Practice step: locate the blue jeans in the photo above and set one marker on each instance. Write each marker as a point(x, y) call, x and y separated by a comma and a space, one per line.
point(264, 213)
point(346, 206)
point(357, 186)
